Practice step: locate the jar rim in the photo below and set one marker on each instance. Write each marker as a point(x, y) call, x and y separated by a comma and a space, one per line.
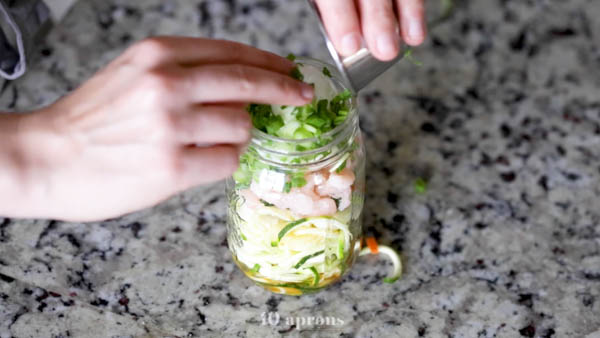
point(258, 135)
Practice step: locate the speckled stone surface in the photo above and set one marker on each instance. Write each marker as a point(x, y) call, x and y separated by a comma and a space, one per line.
point(503, 119)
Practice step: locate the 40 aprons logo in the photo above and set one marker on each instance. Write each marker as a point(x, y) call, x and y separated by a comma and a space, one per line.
point(312, 322)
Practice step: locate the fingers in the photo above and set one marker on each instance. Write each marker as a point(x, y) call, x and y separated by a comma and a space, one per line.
point(189, 51)
point(240, 83)
point(342, 24)
point(203, 165)
point(213, 125)
point(380, 28)
point(412, 21)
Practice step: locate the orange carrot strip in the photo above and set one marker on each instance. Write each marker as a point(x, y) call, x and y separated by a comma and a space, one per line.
point(372, 244)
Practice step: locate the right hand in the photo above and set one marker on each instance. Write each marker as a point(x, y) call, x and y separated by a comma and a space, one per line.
point(127, 138)
point(349, 22)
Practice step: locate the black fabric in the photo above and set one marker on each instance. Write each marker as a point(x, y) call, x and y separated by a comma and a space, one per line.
point(24, 23)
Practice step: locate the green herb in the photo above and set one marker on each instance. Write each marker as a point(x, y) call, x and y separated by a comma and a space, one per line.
point(297, 180)
point(305, 258)
point(263, 118)
point(326, 72)
point(287, 187)
point(249, 166)
point(296, 74)
point(420, 186)
point(408, 56)
point(256, 268)
point(300, 147)
point(274, 125)
point(267, 204)
point(274, 244)
point(289, 227)
point(302, 133)
point(339, 120)
point(390, 280)
point(316, 121)
point(316, 273)
point(291, 57)
point(341, 166)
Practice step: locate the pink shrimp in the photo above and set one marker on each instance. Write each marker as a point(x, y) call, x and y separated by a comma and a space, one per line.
point(303, 201)
point(250, 198)
point(338, 185)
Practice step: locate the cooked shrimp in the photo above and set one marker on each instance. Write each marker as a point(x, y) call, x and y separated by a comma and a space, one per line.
point(302, 201)
point(339, 186)
point(250, 198)
point(336, 183)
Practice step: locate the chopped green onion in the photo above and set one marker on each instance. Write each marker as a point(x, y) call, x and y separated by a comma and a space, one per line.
point(296, 74)
point(287, 187)
point(305, 258)
point(326, 72)
point(339, 120)
point(256, 268)
point(420, 186)
point(316, 121)
point(316, 273)
point(297, 180)
point(274, 125)
point(301, 133)
point(267, 204)
point(291, 57)
point(342, 165)
point(310, 128)
point(408, 56)
point(243, 237)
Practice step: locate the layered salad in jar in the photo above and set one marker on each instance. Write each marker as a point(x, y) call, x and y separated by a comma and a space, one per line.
point(296, 200)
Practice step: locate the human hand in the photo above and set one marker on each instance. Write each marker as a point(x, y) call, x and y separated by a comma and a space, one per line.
point(126, 139)
point(348, 22)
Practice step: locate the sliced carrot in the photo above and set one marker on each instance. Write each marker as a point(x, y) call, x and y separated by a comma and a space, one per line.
point(372, 244)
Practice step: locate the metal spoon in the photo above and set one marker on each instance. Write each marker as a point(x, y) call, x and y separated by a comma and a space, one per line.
point(358, 69)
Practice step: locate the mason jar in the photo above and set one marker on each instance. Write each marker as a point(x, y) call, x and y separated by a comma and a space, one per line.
point(295, 205)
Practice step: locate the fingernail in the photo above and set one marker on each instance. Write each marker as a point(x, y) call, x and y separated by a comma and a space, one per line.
point(350, 43)
point(308, 92)
point(415, 29)
point(387, 45)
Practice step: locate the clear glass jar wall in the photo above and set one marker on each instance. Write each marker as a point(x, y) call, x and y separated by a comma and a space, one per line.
point(295, 205)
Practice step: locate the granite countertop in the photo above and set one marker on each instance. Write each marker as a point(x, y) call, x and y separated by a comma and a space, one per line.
point(502, 118)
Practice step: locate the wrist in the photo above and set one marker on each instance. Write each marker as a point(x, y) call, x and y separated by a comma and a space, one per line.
point(31, 156)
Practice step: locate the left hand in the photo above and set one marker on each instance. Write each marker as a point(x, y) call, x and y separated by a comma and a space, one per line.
point(349, 21)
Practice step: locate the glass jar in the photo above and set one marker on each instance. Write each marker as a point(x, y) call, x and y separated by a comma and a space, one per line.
point(295, 206)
